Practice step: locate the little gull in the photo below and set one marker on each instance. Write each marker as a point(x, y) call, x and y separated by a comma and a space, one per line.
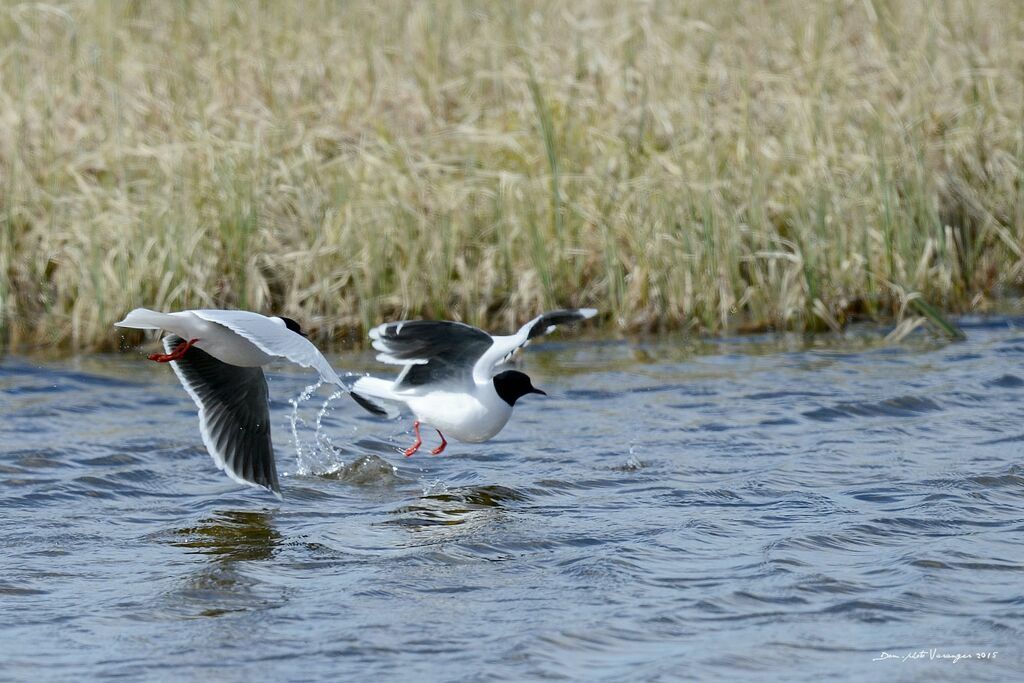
point(219, 356)
point(451, 379)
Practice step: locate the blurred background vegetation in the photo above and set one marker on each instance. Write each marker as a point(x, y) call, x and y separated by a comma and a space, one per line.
point(714, 166)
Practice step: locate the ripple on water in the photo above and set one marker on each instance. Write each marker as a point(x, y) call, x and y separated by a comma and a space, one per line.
point(456, 506)
point(903, 406)
point(1006, 381)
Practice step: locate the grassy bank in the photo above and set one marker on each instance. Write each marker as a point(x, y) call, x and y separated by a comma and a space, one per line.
point(687, 164)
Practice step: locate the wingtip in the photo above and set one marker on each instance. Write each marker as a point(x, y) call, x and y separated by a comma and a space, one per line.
point(372, 406)
point(587, 313)
point(269, 484)
point(141, 319)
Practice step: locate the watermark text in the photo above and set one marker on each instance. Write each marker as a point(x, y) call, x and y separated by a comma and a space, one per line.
point(935, 654)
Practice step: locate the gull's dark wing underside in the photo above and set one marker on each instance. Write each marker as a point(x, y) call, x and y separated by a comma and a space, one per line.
point(546, 322)
point(234, 414)
point(433, 351)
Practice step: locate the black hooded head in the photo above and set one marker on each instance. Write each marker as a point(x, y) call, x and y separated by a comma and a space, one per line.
point(513, 384)
point(292, 325)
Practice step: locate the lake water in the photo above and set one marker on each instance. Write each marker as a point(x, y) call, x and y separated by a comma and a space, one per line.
point(770, 508)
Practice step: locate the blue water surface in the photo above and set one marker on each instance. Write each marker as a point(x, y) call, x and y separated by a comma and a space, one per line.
point(758, 508)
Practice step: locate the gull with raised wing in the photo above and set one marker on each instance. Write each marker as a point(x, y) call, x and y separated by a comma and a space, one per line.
point(452, 379)
point(219, 356)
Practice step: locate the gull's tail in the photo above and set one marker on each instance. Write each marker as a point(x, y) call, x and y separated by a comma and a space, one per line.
point(145, 319)
point(375, 396)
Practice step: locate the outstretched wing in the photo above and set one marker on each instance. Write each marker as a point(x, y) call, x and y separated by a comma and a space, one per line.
point(274, 339)
point(543, 324)
point(432, 351)
point(234, 414)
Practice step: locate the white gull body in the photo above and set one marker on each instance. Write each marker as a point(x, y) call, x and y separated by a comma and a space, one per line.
point(473, 415)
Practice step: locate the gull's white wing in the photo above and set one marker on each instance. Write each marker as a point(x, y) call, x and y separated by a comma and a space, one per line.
point(274, 339)
point(543, 324)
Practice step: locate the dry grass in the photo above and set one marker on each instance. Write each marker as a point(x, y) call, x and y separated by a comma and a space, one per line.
point(719, 166)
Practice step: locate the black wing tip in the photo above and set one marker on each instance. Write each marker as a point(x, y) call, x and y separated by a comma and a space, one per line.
point(271, 486)
point(562, 316)
point(260, 474)
point(293, 325)
point(264, 476)
point(261, 482)
point(369, 405)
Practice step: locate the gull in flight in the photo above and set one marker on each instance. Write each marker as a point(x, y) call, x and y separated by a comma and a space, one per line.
point(452, 378)
point(219, 356)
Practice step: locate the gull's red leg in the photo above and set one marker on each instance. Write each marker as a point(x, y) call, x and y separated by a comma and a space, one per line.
point(419, 442)
point(177, 354)
point(440, 448)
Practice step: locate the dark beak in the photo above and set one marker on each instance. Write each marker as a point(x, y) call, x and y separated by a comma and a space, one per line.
point(538, 391)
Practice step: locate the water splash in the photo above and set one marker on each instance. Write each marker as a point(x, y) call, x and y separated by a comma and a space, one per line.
point(322, 440)
point(434, 488)
point(296, 421)
point(320, 455)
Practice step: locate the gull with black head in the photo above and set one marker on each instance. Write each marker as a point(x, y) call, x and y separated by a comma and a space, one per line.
point(218, 356)
point(452, 379)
